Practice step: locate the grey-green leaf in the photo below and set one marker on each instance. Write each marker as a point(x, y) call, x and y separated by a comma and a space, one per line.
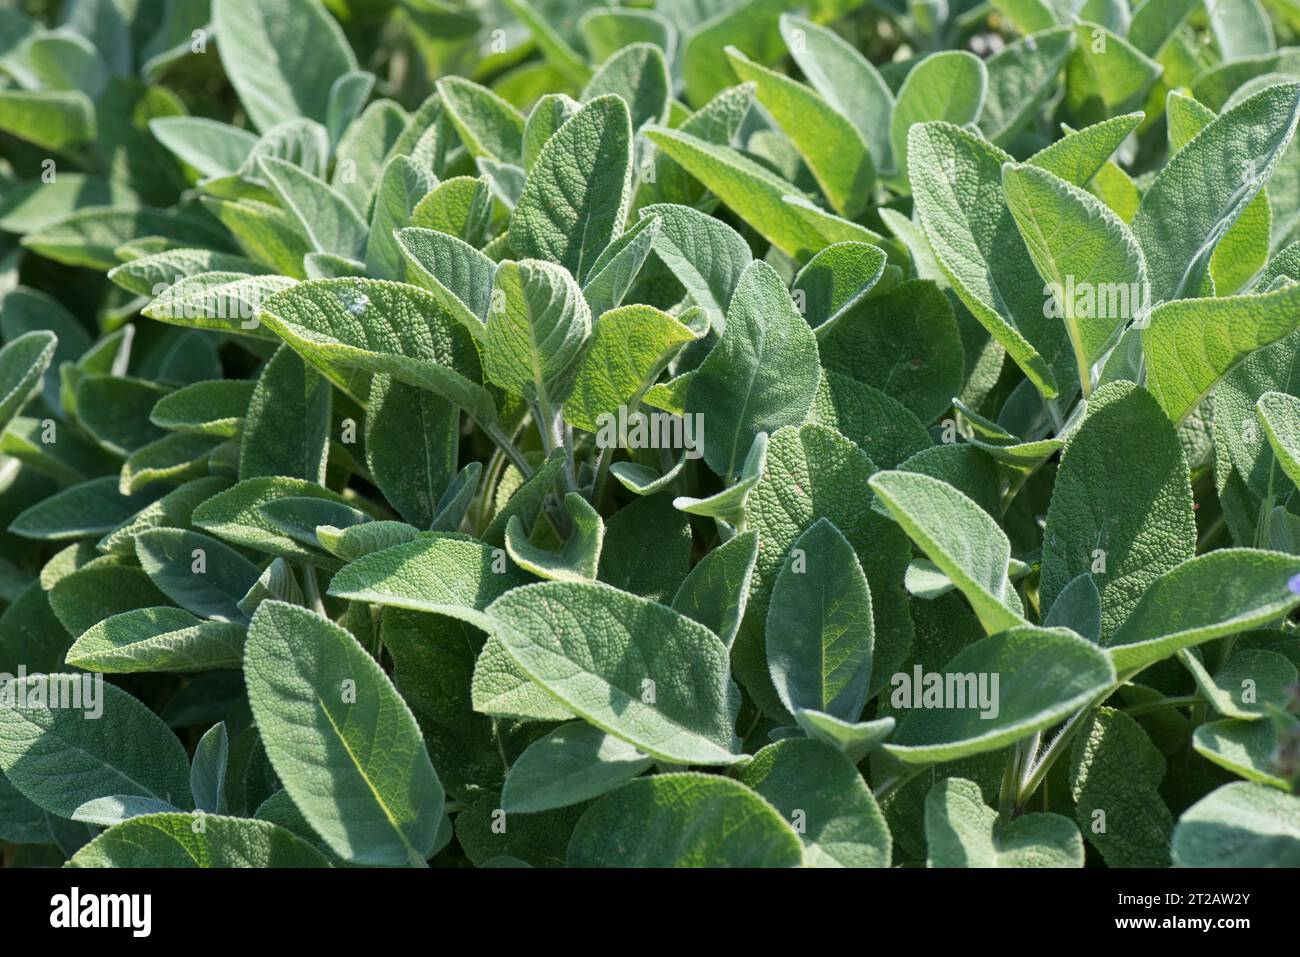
point(341, 739)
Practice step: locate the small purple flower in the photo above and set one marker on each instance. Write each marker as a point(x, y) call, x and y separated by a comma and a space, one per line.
point(1294, 584)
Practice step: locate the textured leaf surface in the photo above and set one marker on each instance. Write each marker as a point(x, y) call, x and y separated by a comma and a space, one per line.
point(340, 738)
point(683, 820)
point(172, 841)
point(629, 666)
point(962, 831)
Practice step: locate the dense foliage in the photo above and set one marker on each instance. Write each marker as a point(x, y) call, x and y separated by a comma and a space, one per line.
point(701, 433)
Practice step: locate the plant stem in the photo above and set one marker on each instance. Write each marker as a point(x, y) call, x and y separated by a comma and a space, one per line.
point(892, 784)
point(1009, 792)
point(509, 449)
point(1180, 702)
point(312, 590)
point(603, 460)
point(1034, 776)
point(484, 495)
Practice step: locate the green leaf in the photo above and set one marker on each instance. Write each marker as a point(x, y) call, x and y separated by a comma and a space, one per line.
point(549, 113)
point(718, 121)
point(499, 688)
point(1220, 593)
point(486, 124)
point(1078, 243)
point(629, 347)
point(265, 233)
point(639, 74)
point(1279, 414)
point(300, 517)
point(1204, 188)
point(1240, 825)
point(760, 376)
point(835, 280)
point(576, 196)
point(961, 831)
point(23, 362)
point(411, 440)
point(158, 640)
point(904, 342)
point(617, 268)
point(847, 80)
point(352, 328)
point(60, 760)
point(1191, 344)
point(812, 784)
point(363, 149)
point(717, 589)
point(234, 514)
point(630, 666)
point(832, 146)
point(220, 301)
point(1106, 74)
point(750, 25)
point(1020, 76)
point(173, 510)
point(460, 207)
point(340, 738)
point(820, 632)
point(211, 147)
point(1042, 675)
point(174, 841)
point(402, 185)
point(1081, 155)
point(286, 58)
point(553, 45)
point(1246, 748)
point(328, 220)
point(647, 548)
point(88, 593)
point(960, 538)
point(277, 582)
point(812, 473)
point(1252, 683)
point(528, 500)
point(755, 193)
point(454, 271)
point(729, 504)
point(855, 740)
point(448, 575)
point(51, 119)
point(705, 255)
point(1077, 607)
point(877, 423)
point(536, 329)
point(68, 460)
point(580, 556)
point(957, 185)
point(1115, 773)
point(288, 390)
point(199, 573)
point(216, 407)
point(1125, 527)
point(607, 30)
point(948, 86)
point(683, 820)
point(89, 508)
point(574, 763)
point(115, 411)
